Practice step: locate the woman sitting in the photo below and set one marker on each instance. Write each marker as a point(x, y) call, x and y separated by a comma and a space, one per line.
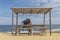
point(27, 24)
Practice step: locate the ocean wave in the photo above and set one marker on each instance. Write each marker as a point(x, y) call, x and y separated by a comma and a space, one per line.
point(54, 30)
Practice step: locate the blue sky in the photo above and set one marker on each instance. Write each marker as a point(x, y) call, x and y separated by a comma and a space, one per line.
point(5, 11)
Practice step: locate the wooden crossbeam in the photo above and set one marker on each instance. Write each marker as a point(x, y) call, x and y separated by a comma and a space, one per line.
point(32, 11)
point(39, 11)
point(47, 11)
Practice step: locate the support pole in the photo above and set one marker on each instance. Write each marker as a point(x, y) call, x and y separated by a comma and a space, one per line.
point(43, 30)
point(50, 23)
point(16, 23)
point(12, 23)
point(44, 20)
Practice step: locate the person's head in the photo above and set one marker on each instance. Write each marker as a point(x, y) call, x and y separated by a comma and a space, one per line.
point(27, 19)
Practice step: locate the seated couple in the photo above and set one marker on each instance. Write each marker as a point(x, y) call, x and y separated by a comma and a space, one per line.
point(27, 24)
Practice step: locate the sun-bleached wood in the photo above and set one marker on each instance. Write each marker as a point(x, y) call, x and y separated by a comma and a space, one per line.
point(31, 10)
point(12, 23)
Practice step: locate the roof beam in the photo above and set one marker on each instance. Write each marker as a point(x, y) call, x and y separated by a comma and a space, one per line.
point(39, 11)
point(48, 11)
point(31, 10)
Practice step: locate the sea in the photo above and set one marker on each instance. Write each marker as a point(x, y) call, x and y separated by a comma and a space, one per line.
point(7, 28)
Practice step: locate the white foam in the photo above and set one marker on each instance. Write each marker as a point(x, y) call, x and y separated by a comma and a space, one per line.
point(54, 30)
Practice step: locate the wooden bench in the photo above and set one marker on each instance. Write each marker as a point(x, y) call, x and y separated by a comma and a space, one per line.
point(42, 28)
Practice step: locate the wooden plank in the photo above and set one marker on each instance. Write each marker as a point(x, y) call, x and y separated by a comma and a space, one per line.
point(35, 28)
point(31, 11)
point(37, 9)
point(16, 23)
point(50, 23)
point(44, 20)
point(48, 10)
point(12, 22)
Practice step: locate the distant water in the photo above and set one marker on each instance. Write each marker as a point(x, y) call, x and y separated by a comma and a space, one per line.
point(7, 28)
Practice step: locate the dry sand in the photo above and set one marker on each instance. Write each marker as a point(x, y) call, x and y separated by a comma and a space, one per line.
point(8, 36)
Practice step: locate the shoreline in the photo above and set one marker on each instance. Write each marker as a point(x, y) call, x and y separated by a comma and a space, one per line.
point(53, 31)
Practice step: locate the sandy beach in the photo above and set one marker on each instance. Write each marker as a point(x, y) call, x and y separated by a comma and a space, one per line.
point(8, 36)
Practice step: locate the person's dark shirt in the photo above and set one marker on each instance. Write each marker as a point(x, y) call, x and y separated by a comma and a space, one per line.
point(26, 22)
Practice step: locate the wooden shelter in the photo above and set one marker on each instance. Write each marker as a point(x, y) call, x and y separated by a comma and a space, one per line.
point(30, 11)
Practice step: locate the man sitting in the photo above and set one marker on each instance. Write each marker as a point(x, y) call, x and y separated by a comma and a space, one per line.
point(27, 24)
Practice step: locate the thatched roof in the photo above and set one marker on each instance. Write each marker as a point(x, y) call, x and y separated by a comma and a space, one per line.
point(31, 10)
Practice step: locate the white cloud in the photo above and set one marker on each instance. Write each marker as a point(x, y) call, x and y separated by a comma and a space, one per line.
point(55, 4)
point(18, 1)
point(40, 3)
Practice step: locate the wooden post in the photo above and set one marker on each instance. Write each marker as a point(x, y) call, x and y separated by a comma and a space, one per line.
point(43, 30)
point(12, 23)
point(44, 20)
point(50, 23)
point(16, 23)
